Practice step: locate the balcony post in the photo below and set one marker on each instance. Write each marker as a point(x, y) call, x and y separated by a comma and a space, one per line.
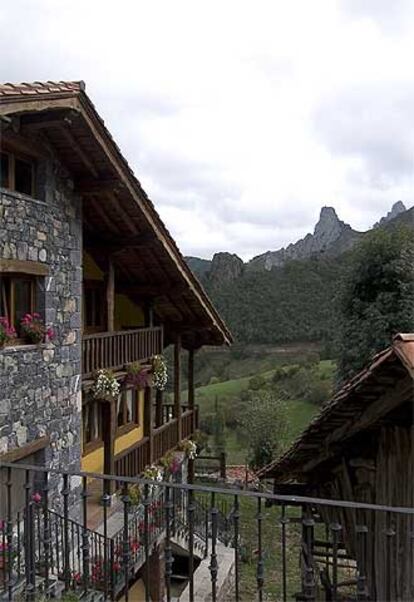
point(108, 409)
point(191, 391)
point(148, 423)
point(110, 297)
point(177, 385)
point(159, 397)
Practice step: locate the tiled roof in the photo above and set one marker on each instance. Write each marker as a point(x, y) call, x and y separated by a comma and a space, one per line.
point(40, 88)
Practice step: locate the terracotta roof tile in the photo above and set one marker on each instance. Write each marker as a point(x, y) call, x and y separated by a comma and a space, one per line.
point(41, 88)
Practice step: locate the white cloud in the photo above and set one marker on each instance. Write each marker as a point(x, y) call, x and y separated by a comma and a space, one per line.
point(240, 118)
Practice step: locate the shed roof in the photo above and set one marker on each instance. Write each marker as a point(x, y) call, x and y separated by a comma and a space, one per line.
point(347, 405)
point(61, 115)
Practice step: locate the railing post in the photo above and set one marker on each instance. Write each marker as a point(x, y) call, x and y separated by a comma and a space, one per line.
point(108, 409)
point(177, 385)
point(148, 426)
point(223, 465)
point(159, 398)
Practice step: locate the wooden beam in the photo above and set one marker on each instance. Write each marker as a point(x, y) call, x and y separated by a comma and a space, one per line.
point(126, 219)
point(14, 455)
point(159, 289)
point(79, 150)
point(177, 384)
point(88, 186)
point(159, 399)
point(191, 390)
point(118, 243)
point(34, 268)
point(110, 297)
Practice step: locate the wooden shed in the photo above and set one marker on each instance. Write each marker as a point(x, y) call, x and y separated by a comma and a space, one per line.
point(360, 448)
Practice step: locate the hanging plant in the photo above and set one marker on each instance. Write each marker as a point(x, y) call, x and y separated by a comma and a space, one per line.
point(159, 372)
point(137, 376)
point(105, 386)
point(189, 448)
point(171, 463)
point(34, 330)
point(7, 332)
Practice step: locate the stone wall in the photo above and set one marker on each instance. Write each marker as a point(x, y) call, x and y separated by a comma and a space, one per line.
point(40, 386)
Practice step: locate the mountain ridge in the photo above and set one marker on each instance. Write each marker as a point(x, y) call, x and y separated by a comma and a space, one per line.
point(331, 237)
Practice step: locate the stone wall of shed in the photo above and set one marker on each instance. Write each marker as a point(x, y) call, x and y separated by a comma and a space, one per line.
point(40, 385)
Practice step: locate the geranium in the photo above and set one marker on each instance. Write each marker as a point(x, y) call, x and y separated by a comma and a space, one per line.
point(105, 386)
point(159, 372)
point(7, 332)
point(137, 376)
point(34, 330)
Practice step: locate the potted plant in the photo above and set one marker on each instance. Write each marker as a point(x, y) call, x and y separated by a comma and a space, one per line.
point(189, 448)
point(159, 372)
point(105, 385)
point(34, 330)
point(7, 332)
point(137, 376)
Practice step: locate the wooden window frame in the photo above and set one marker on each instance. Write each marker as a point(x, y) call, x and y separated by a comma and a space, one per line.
point(97, 442)
point(12, 172)
point(96, 285)
point(9, 304)
point(125, 427)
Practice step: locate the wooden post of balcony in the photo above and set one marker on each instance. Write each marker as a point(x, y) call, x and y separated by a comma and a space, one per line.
point(159, 398)
point(148, 425)
point(177, 384)
point(110, 297)
point(191, 392)
point(108, 409)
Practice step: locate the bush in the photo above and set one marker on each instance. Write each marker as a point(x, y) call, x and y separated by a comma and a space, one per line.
point(257, 382)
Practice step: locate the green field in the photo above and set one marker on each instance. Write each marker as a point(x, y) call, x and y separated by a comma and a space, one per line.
point(299, 412)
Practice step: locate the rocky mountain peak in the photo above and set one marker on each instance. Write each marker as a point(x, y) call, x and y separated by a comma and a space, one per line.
point(396, 209)
point(329, 227)
point(225, 267)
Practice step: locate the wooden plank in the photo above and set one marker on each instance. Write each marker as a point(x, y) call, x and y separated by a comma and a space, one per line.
point(34, 268)
point(79, 150)
point(19, 453)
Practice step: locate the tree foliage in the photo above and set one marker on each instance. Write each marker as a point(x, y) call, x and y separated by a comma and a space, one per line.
point(376, 299)
point(263, 424)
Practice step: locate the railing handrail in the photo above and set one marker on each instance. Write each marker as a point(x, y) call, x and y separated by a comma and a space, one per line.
point(284, 499)
point(159, 429)
point(130, 449)
point(100, 335)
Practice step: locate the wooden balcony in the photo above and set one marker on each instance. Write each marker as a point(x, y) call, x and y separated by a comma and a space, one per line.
point(133, 460)
point(114, 350)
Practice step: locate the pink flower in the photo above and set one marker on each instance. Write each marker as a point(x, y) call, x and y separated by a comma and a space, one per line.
point(50, 333)
point(37, 498)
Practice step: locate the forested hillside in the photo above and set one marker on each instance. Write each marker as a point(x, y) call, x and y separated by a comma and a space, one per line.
point(292, 303)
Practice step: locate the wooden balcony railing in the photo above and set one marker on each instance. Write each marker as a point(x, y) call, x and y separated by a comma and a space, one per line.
point(132, 461)
point(114, 350)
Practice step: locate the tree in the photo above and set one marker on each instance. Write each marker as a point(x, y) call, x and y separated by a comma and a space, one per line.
point(377, 297)
point(263, 426)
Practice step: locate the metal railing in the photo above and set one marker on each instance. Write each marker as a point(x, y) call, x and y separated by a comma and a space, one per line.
point(114, 350)
point(282, 547)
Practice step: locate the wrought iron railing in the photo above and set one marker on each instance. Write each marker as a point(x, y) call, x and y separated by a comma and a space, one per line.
point(115, 350)
point(346, 550)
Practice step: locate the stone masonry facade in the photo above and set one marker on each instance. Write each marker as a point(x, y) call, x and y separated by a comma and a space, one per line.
point(40, 385)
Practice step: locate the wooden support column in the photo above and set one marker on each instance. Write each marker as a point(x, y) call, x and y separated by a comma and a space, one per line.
point(159, 398)
point(108, 409)
point(177, 384)
point(191, 392)
point(110, 297)
point(148, 423)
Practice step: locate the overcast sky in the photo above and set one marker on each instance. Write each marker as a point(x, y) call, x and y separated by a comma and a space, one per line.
point(241, 119)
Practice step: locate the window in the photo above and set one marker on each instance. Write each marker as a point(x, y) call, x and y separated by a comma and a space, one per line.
point(17, 297)
point(17, 173)
point(94, 306)
point(91, 423)
point(127, 408)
